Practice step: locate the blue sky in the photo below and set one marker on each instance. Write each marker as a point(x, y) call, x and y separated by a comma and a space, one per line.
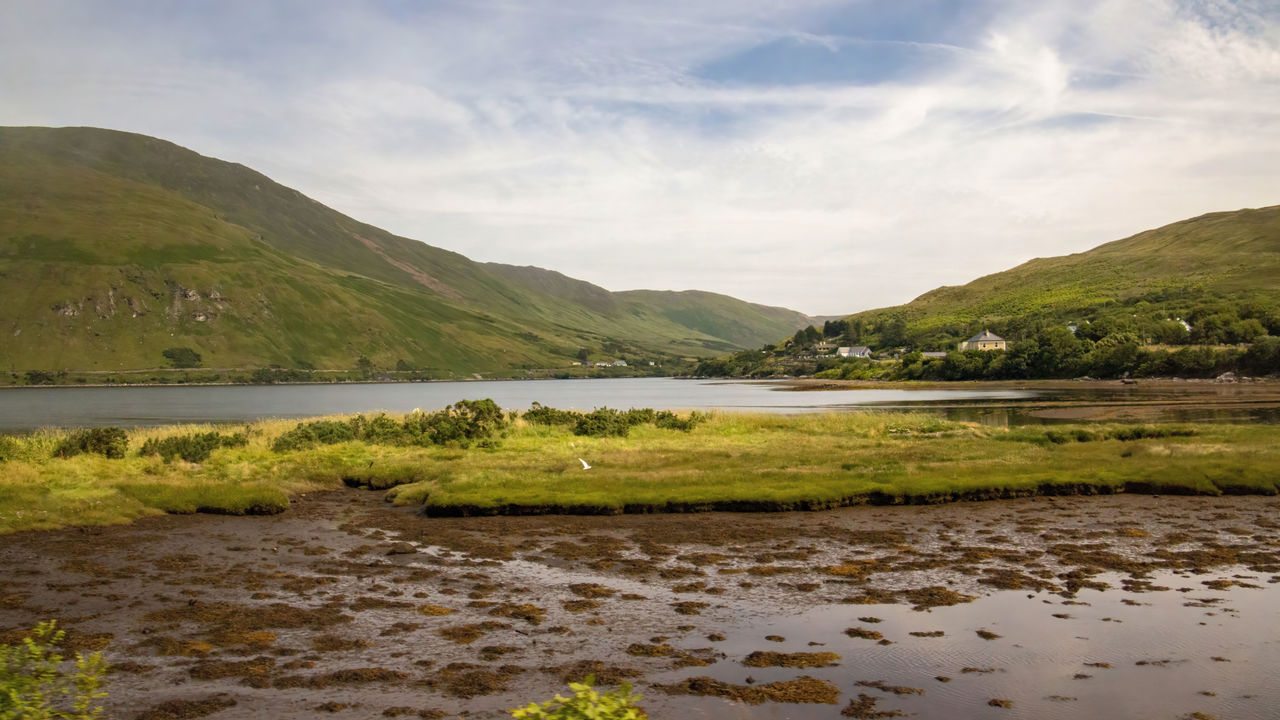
point(825, 156)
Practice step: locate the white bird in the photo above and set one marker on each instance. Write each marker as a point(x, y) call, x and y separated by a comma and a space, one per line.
point(585, 466)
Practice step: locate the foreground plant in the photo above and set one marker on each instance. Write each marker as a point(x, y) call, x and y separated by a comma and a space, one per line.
point(34, 685)
point(586, 704)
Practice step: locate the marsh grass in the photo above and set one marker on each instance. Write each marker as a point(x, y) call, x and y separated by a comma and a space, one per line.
point(730, 461)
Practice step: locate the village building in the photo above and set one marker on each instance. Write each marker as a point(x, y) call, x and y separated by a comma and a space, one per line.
point(985, 340)
point(856, 351)
point(931, 354)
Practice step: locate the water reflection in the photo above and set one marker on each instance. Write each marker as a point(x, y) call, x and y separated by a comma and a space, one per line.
point(998, 405)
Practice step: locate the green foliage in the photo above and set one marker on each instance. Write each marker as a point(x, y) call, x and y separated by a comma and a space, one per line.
point(603, 422)
point(668, 420)
point(310, 434)
point(182, 357)
point(109, 442)
point(539, 414)
point(40, 377)
point(35, 683)
point(586, 704)
point(194, 448)
point(8, 448)
point(462, 423)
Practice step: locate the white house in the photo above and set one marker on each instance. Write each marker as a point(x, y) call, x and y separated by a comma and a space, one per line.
point(857, 351)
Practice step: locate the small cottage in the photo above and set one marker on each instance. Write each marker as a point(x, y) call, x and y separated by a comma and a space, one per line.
point(856, 351)
point(985, 340)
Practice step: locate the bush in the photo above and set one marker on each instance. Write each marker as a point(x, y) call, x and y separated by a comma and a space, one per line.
point(8, 448)
point(461, 423)
point(308, 435)
point(40, 377)
point(602, 422)
point(34, 685)
point(586, 704)
point(193, 448)
point(378, 429)
point(110, 442)
point(668, 420)
point(182, 357)
point(539, 414)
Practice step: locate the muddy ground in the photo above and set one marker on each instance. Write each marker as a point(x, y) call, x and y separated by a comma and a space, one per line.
point(1122, 606)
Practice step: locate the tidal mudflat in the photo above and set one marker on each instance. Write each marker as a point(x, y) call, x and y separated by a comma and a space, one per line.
point(1083, 606)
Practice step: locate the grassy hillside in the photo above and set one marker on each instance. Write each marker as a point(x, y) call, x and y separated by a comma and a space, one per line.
point(115, 247)
point(1193, 269)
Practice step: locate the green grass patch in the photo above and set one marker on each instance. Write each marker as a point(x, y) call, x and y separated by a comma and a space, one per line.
point(724, 461)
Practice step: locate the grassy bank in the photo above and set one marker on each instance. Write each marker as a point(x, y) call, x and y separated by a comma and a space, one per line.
point(730, 461)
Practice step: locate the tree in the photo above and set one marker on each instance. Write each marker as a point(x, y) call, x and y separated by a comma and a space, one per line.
point(583, 355)
point(894, 333)
point(35, 685)
point(364, 365)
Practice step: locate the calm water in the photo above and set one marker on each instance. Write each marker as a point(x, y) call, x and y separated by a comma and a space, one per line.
point(29, 408)
point(26, 408)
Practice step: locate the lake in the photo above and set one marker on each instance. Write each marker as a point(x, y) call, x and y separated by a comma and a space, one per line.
point(996, 404)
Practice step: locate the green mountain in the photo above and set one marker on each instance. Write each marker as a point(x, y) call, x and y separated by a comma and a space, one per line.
point(115, 247)
point(1214, 269)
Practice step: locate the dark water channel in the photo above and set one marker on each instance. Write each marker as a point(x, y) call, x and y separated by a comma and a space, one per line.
point(30, 408)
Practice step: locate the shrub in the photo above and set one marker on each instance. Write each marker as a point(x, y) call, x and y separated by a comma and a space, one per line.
point(34, 685)
point(602, 422)
point(586, 704)
point(40, 377)
point(193, 448)
point(110, 442)
point(8, 448)
point(378, 429)
point(668, 420)
point(461, 423)
point(308, 435)
point(539, 414)
point(639, 416)
point(182, 357)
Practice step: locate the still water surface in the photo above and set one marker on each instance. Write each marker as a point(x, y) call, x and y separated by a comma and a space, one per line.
point(30, 408)
point(27, 408)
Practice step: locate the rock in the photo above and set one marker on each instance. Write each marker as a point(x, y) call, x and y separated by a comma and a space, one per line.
point(1226, 377)
point(401, 548)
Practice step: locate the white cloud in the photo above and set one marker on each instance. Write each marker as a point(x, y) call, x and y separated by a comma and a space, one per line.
point(580, 137)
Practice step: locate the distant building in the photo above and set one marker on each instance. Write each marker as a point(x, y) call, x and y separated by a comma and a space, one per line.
point(619, 363)
point(933, 354)
point(823, 347)
point(985, 340)
point(857, 351)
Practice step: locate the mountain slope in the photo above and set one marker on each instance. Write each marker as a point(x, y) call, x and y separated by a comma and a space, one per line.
point(1178, 270)
point(115, 246)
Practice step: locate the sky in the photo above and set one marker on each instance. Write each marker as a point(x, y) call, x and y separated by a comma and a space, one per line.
point(829, 157)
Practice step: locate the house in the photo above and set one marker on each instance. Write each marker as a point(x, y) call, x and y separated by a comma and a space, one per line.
point(985, 340)
point(857, 351)
point(619, 363)
point(933, 354)
point(823, 347)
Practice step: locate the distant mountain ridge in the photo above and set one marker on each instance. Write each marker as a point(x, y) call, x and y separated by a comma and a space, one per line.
point(116, 246)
